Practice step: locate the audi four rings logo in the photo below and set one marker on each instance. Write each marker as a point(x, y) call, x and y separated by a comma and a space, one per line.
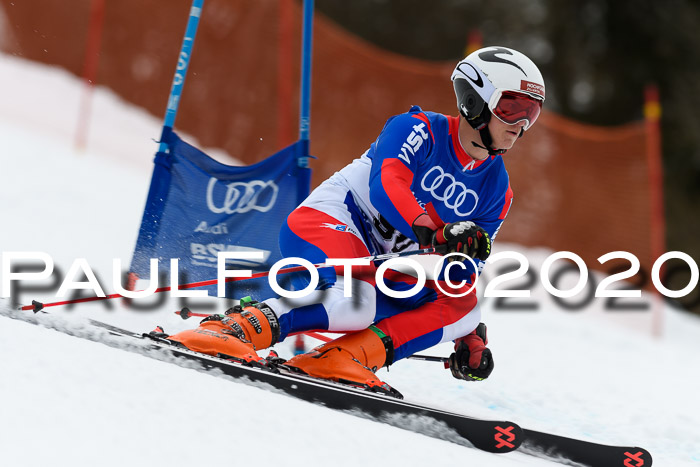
point(243, 197)
point(455, 195)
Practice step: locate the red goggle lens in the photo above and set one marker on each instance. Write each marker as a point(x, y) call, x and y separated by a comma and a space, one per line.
point(515, 106)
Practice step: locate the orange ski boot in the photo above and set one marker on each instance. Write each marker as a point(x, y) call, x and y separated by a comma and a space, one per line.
point(350, 359)
point(243, 330)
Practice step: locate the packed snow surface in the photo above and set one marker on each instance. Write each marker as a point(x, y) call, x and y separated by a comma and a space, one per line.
point(590, 374)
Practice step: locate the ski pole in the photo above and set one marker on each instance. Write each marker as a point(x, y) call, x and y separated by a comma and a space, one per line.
point(37, 306)
point(426, 358)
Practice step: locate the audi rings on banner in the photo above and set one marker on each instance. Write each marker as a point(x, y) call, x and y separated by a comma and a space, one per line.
point(455, 195)
point(242, 197)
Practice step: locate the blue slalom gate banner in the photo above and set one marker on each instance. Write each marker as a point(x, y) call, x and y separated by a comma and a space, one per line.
point(198, 207)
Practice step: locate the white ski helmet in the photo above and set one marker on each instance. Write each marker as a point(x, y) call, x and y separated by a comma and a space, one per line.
point(499, 81)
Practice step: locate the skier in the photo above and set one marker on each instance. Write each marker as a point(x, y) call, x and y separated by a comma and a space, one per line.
point(428, 179)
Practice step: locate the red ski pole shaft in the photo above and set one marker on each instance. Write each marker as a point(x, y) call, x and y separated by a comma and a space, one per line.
point(37, 306)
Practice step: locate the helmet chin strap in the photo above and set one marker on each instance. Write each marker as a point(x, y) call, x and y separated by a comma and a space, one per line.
point(480, 124)
point(488, 141)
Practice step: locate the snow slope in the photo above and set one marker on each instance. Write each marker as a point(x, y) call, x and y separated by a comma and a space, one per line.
point(89, 404)
point(588, 374)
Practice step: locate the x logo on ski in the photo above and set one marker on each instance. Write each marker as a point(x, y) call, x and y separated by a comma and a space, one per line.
point(637, 457)
point(508, 432)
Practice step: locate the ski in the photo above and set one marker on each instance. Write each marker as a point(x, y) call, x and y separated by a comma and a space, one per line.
point(489, 435)
point(584, 452)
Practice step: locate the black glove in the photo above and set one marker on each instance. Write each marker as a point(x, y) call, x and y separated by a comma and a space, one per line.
point(472, 361)
point(425, 229)
point(459, 237)
point(467, 238)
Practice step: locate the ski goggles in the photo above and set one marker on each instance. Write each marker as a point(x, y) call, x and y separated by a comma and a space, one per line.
point(511, 107)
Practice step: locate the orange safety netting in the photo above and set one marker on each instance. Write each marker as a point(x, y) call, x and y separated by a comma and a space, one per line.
point(579, 188)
